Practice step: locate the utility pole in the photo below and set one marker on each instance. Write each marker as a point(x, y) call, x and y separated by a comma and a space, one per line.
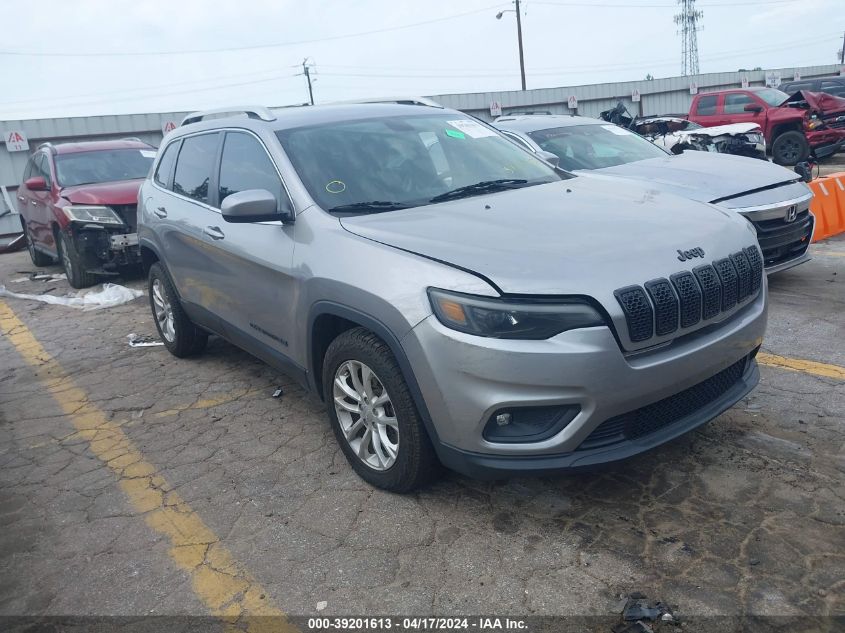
point(306, 68)
point(519, 38)
point(842, 52)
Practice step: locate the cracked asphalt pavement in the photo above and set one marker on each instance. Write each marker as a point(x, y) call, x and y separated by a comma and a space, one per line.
point(134, 483)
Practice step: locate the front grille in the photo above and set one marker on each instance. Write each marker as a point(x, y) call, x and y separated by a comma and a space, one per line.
point(689, 293)
point(663, 413)
point(664, 306)
point(782, 241)
point(727, 275)
point(711, 286)
point(638, 312)
point(743, 271)
point(129, 214)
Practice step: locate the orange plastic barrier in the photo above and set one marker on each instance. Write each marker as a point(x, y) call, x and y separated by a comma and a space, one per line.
point(828, 205)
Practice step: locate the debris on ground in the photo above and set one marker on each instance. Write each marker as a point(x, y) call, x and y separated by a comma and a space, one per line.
point(18, 280)
point(641, 615)
point(108, 296)
point(632, 627)
point(143, 341)
point(45, 277)
point(278, 393)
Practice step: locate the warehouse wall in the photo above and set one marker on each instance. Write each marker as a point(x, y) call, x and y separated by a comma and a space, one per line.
point(147, 127)
point(658, 96)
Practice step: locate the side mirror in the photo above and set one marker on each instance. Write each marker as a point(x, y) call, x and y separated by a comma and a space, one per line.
point(805, 170)
point(753, 107)
point(551, 159)
point(36, 183)
point(254, 205)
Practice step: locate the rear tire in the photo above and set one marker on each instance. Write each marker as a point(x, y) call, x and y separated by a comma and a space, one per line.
point(38, 258)
point(411, 461)
point(180, 336)
point(790, 148)
point(73, 263)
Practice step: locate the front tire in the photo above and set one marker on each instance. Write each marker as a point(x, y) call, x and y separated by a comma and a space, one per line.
point(790, 148)
point(73, 263)
point(180, 336)
point(373, 415)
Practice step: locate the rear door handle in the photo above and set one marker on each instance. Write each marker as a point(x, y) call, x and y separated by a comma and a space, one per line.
point(33, 201)
point(214, 232)
point(21, 198)
point(160, 212)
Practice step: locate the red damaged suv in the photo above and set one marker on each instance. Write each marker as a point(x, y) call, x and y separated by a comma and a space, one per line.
point(78, 203)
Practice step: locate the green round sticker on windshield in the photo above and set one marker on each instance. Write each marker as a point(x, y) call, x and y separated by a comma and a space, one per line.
point(336, 186)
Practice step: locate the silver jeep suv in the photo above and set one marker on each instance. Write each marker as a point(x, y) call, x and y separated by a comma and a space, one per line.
point(454, 299)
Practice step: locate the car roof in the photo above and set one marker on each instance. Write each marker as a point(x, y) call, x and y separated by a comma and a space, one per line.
point(93, 146)
point(532, 123)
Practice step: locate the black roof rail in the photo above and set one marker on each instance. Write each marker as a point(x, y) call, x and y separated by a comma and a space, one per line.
point(253, 112)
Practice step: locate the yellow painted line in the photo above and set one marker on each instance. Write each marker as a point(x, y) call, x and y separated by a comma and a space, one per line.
point(208, 403)
point(805, 366)
point(226, 588)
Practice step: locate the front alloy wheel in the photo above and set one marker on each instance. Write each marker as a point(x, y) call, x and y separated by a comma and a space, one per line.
point(366, 415)
point(163, 311)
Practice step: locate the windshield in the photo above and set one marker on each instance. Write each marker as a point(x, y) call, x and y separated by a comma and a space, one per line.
point(772, 96)
point(108, 165)
point(407, 161)
point(595, 146)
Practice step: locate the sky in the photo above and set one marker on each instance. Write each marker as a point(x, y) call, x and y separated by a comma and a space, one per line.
point(85, 57)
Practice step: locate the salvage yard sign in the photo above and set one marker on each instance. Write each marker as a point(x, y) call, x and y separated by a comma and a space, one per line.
point(495, 108)
point(635, 95)
point(16, 141)
point(572, 102)
point(168, 126)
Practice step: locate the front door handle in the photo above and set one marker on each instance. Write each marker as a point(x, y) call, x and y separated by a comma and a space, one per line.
point(160, 212)
point(34, 202)
point(214, 232)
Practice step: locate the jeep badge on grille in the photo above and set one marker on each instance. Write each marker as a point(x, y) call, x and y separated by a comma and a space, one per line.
point(693, 252)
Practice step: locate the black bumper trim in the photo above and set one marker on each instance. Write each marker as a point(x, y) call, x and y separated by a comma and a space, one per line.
point(488, 466)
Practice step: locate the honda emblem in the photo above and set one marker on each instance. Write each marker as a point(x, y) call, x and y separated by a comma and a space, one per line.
point(791, 213)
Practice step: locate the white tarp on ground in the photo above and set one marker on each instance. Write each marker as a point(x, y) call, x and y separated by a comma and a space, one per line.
point(108, 296)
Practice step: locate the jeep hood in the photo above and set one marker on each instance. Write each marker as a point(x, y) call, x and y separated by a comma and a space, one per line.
point(120, 192)
point(584, 236)
point(704, 176)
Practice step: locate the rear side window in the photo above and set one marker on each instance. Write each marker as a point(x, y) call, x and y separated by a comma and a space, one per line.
point(834, 87)
point(790, 88)
point(195, 165)
point(43, 165)
point(706, 105)
point(165, 165)
point(245, 165)
point(27, 172)
point(734, 103)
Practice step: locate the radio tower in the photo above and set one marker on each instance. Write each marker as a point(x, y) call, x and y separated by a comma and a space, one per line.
point(688, 19)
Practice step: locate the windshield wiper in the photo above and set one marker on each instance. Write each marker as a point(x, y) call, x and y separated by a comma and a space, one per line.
point(485, 186)
point(373, 206)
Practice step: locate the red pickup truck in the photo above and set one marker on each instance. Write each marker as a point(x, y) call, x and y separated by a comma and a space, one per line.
point(795, 126)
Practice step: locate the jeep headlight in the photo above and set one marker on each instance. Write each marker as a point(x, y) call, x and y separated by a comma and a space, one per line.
point(510, 318)
point(92, 214)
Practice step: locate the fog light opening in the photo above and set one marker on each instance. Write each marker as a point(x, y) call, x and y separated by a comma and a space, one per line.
point(528, 424)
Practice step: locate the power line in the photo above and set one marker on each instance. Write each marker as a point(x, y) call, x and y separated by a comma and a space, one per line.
point(248, 48)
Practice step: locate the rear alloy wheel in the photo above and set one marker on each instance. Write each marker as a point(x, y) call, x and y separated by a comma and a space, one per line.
point(73, 264)
point(790, 148)
point(373, 415)
point(38, 258)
